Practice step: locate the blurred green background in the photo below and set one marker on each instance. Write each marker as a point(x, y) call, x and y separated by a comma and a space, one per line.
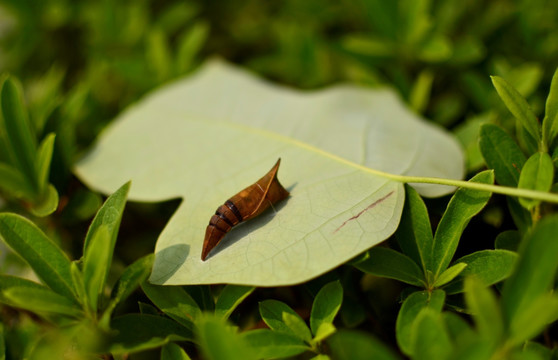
point(81, 62)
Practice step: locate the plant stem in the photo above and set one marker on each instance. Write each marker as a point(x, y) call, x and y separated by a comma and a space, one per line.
point(504, 190)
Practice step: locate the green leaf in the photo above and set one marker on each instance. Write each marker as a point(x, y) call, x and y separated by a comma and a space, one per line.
point(95, 265)
point(41, 300)
point(420, 94)
point(2, 343)
point(190, 44)
point(502, 154)
point(410, 309)
point(271, 344)
point(108, 217)
point(488, 266)
point(77, 280)
point(19, 134)
point(508, 240)
point(326, 305)
point(521, 216)
point(537, 174)
point(436, 48)
point(297, 326)
point(321, 357)
point(8, 282)
point(48, 261)
point(535, 269)
point(518, 106)
point(533, 318)
point(173, 301)
point(272, 312)
point(229, 298)
point(459, 328)
point(464, 204)
point(550, 121)
point(486, 311)
point(136, 332)
point(324, 331)
point(339, 206)
point(449, 274)
point(355, 345)
point(220, 341)
point(392, 264)
point(44, 157)
point(47, 203)
point(429, 336)
point(13, 183)
point(158, 54)
point(414, 234)
point(171, 351)
point(131, 279)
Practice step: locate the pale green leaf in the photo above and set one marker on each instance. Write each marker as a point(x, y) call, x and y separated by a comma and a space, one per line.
point(203, 140)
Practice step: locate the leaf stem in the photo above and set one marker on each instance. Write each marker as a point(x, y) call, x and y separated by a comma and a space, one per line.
point(498, 189)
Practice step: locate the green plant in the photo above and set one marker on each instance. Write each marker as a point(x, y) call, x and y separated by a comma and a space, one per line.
point(471, 276)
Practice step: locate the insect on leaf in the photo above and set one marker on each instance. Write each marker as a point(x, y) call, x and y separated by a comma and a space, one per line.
point(243, 206)
point(202, 140)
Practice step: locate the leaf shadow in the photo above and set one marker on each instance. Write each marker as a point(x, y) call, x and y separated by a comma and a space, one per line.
point(243, 229)
point(174, 254)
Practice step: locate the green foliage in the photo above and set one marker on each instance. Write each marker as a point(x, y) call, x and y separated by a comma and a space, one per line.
point(26, 165)
point(467, 277)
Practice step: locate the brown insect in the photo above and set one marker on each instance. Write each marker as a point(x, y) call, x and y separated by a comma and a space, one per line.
point(243, 206)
